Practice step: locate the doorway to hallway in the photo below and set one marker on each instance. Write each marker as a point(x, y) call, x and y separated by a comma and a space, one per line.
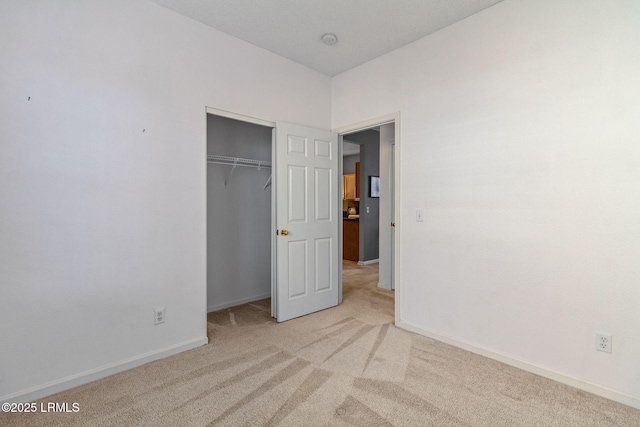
point(376, 203)
point(367, 211)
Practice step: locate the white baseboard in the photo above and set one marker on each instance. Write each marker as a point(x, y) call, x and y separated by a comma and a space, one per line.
point(617, 396)
point(44, 390)
point(228, 304)
point(371, 261)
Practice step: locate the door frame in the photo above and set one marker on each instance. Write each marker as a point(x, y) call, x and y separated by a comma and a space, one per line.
point(240, 117)
point(396, 247)
point(272, 125)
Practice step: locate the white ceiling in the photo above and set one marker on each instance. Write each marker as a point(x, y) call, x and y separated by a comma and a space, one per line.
point(366, 29)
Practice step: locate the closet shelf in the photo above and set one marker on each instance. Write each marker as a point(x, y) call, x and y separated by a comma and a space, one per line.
point(238, 161)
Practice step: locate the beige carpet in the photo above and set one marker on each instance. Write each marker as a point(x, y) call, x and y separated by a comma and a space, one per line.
point(344, 366)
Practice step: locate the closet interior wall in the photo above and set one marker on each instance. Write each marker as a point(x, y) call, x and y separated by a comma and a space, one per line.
point(238, 215)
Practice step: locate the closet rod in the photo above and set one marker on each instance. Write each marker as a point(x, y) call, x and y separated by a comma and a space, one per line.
point(238, 161)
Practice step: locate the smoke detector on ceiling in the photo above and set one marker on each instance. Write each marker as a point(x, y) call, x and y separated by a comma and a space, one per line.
point(329, 39)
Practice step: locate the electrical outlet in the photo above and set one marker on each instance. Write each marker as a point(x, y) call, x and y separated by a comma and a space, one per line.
point(158, 316)
point(603, 342)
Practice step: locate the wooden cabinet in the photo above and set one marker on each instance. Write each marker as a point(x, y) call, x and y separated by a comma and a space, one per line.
point(349, 186)
point(351, 239)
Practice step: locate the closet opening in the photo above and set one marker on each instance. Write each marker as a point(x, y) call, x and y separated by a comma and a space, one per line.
point(239, 210)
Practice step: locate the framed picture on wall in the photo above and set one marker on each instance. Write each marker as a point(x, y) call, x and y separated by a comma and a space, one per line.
point(374, 186)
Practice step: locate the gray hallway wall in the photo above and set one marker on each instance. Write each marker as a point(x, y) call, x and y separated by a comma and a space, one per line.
point(369, 141)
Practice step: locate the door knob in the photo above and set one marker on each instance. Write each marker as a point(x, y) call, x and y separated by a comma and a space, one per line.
point(285, 232)
point(393, 224)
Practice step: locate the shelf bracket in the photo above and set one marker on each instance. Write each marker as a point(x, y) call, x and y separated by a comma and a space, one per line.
point(268, 183)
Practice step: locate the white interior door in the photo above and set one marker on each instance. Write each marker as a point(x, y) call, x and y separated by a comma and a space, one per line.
point(393, 214)
point(307, 252)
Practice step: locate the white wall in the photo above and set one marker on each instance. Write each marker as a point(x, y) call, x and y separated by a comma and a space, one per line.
point(521, 140)
point(102, 179)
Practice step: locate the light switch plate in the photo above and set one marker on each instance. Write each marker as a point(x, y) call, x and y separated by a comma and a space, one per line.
point(419, 215)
